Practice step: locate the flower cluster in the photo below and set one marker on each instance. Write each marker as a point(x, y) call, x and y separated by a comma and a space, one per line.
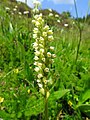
point(36, 4)
point(44, 55)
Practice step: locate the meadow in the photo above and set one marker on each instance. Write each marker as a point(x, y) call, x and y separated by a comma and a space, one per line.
point(59, 88)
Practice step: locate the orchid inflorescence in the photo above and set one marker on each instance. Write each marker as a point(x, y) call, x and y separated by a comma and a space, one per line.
point(44, 55)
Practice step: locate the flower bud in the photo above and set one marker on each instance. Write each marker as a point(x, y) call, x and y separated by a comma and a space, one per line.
point(50, 38)
point(42, 91)
point(43, 59)
point(40, 76)
point(50, 14)
point(46, 69)
point(37, 69)
point(34, 36)
point(46, 27)
point(44, 34)
point(40, 85)
point(42, 50)
point(48, 54)
point(51, 48)
point(57, 16)
point(50, 32)
point(36, 58)
point(35, 30)
point(37, 53)
point(53, 56)
point(35, 44)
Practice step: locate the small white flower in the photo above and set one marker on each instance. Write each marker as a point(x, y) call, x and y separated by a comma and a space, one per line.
point(46, 27)
point(56, 15)
point(37, 24)
point(41, 39)
point(35, 10)
point(50, 10)
point(50, 14)
point(40, 19)
point(50, 32)
point(7, 8)
point(36, 3)
point(37, 53)
point(36, 17)
point(16, 6)
point(39, 65)
point(37, 69)
point(40, 15)
point(58, 21)
point(45, 80)
point(12, 13)
point(52, 61)
point(43, 59)
point(35, 44)
point(38, 81)
point(26, 12)
point(46, 69)
point(53, 56)
point(35, 30)
point(51, 48)
point(36, 63)
point(19, 13)
point(48, 54)
point(33, 21)
point(40, 76)
point(14, 9)
point(73, 22)
point(40, 85)
point(44, 34)
point(34, 36)
point(36, 58)
point(66, 25)
point(50, 38)
point(41, 50)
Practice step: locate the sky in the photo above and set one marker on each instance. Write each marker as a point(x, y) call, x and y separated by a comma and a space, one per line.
point(83, 6)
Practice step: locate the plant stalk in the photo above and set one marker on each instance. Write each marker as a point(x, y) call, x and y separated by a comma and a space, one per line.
point(79, 43)
point(80, 33)
point(46, 105)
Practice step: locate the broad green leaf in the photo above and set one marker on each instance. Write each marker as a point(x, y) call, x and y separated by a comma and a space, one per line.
point(85, 108)
point(57, 95)
point(85, 96)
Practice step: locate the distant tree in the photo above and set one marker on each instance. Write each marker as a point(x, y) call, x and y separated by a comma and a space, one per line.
point(66, 14)
point(87, 18)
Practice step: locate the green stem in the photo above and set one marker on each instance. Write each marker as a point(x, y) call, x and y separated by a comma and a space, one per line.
point(80, 32)
point(76, 9)
point(79, 43)
point(46, 105)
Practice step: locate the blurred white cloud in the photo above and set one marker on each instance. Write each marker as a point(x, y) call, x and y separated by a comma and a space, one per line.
point(29, 2)
point(63, 1)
